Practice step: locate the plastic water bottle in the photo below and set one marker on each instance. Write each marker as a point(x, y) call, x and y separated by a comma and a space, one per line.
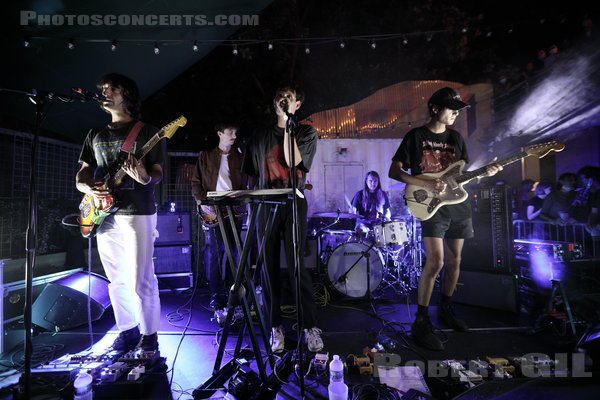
point(337, 389)
point(259, 296)
point(82, 386)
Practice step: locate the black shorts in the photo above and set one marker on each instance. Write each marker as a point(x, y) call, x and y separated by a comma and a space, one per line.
point(447, 223)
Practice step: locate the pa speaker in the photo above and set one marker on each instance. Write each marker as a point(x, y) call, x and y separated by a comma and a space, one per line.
point(63, 304)
point(487, 289)
point(173, 228)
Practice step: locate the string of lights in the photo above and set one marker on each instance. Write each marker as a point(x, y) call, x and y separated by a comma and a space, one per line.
point(307, 43)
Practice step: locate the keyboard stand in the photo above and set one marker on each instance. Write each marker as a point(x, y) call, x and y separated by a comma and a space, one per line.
point(243, 290)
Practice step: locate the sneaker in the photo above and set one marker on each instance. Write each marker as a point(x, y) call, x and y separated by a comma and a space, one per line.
point(127, 340)
point(313, 339)
point(277, 339)
point(447, 316)
point(148, 343)
point(422, 333)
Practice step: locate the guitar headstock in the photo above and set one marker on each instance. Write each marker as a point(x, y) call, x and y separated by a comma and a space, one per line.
point(169, 130)
point(542, 149)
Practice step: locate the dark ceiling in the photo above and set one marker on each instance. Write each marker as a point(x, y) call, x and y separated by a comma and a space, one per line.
point(463, 41)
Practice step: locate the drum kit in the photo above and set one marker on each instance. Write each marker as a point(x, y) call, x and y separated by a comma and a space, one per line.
point(390, 251)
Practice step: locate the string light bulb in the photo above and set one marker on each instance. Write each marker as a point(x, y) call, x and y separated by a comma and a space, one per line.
point(307, 50)
point(373, 45)
point(195, 46)
point(71, 44)
point(235, 50)
point(156, 49)
point(405, 41)
point(26, 42)
point(270, 46)
point(342, 45)
point(113, 45)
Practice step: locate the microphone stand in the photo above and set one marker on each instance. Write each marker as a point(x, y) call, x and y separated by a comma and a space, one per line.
point(39, 98)
point(290, 126)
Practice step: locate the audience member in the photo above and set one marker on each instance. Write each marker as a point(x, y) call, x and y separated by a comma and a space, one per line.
point(534, 206)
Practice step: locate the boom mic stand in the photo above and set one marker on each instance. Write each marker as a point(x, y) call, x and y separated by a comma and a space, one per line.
point(290, 126)
point(39, 98)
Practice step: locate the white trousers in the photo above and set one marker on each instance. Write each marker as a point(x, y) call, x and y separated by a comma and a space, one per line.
point(126, 247)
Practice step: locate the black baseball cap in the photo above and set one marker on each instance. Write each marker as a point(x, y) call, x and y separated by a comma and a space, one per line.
point(447, 97)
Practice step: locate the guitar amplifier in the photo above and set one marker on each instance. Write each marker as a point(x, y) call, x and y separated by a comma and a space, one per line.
point(173, 229)
point(172, 259)
point(555, 251)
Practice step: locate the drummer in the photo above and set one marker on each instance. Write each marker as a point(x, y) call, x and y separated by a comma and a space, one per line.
point(371, 203)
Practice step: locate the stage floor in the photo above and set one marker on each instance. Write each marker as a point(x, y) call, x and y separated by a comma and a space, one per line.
point(189, 339)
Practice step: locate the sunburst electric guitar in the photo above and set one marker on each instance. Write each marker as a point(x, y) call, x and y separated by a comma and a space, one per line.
point(423, 204)
point(92, 210)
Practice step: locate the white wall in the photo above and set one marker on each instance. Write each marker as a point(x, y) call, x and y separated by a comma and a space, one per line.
point(339, 169)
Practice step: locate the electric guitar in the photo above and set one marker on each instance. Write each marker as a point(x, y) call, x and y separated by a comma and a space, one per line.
point(423, 203)
point(92, 210)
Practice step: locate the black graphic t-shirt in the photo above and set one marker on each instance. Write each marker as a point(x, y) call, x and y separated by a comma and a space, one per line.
point(422, 151)
point(102, 147)
point(265, 158)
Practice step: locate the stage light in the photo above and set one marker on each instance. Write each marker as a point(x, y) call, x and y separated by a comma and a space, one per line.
point(235, 50)
point(156, 49)
point(71, 44)
point(113, 45)
point(195, 46)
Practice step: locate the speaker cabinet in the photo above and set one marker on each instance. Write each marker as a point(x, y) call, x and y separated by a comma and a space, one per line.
point(173, 229)
point(63, 304)
point(488, 289)
point(172, 259)
point(492, 246)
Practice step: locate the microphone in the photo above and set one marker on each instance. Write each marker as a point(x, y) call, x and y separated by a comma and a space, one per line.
point(88, 95)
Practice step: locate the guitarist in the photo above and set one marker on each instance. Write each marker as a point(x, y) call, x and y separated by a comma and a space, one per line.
point(126, 237)
point(429, 149)
point(218, 169)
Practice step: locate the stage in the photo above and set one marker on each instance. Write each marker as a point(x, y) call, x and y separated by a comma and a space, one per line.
point(189, 340)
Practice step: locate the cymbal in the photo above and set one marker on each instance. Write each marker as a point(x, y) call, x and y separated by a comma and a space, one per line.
point(335, 214)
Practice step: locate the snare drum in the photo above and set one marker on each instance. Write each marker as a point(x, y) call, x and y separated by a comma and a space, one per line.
point(347, 269)
point(391, 234)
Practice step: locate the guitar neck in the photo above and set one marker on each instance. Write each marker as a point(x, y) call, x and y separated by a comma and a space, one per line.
point(120, 174)
point(470, 175)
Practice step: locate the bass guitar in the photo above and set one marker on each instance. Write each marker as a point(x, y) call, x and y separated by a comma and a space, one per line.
point(92, 210)
point(423, 203)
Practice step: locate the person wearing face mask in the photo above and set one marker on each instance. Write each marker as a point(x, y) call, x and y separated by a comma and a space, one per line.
point(556, 206)
point(371, 203)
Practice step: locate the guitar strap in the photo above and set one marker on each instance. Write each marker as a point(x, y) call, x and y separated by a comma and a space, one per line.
point(133, 133)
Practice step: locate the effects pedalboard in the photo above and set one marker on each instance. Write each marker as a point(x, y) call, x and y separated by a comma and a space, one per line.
point(106, 368)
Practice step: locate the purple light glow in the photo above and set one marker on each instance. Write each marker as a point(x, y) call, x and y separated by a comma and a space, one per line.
point(544, 268)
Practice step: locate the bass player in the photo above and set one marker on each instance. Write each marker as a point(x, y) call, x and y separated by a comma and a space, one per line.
point(429, 149)
point(126, 237)
point(218, 169)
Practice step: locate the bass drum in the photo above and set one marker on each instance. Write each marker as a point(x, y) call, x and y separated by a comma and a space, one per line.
point(347, 269)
